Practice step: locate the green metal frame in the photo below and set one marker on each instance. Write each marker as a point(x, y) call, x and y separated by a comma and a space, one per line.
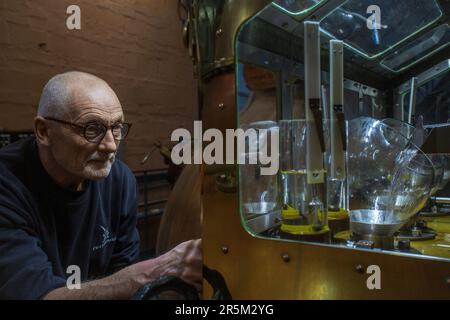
point(302, 12)
point(373, 57)
point(418, 60)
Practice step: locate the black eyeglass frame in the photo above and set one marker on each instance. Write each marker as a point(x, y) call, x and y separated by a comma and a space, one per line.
point(101, 136)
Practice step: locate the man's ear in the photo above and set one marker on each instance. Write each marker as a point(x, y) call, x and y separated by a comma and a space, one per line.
point(41, 131)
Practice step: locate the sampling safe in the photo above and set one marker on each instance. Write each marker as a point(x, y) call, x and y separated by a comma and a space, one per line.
point(357, 93)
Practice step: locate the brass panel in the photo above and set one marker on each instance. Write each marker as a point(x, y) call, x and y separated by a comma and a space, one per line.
point(234, 14)
point(185, 198)
point(218, 110)
point(438, 247)
point(254, 268)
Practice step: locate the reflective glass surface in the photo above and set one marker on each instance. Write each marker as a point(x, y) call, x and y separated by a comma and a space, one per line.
point(372, 27)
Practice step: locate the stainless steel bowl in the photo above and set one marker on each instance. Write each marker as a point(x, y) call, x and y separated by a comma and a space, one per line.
point(374, 222)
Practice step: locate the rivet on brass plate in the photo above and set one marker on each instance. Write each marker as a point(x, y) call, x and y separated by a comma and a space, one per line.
point(221, 106)
point(224, 249)
point(359, 268)
point(285, 257)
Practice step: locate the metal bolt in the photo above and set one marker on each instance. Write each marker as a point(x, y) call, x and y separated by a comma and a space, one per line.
point(404, 244)
point(359, 268)
point(224, 249)
point(219, 61)
point(416, 232)
point(285, 257)
point(221, 106)
point(447, 281)
point(219, 32)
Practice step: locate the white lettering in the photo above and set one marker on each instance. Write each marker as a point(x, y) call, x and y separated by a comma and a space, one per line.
point(374, 281)
point(73, 22)
point(74, 281)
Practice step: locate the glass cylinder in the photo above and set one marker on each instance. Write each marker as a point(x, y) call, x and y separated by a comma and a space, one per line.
point(258, 192)
point(304, 209)
point(336, 185)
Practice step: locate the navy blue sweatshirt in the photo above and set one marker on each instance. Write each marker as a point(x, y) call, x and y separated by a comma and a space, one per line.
point(44, 229)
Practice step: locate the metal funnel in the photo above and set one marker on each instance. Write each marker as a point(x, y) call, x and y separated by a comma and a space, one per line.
point(374, 223)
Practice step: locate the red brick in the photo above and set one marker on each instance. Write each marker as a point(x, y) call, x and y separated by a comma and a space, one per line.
point(135, 45)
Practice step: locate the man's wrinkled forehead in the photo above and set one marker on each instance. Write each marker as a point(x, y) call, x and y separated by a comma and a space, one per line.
point(93, 102)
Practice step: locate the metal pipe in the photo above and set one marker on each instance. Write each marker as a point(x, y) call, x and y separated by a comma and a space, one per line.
point(412, 101)
point(337, 120)
point(313, 110)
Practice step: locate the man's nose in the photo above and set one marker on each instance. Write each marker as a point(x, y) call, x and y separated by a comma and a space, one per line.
point(108, 143)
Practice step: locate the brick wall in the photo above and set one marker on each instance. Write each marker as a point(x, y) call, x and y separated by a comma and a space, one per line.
point(135, 45)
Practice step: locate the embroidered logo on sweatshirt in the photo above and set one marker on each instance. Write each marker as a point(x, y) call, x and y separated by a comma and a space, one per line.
point(107, 237)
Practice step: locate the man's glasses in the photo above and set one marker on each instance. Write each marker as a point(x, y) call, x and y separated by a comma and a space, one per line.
point(95, 131)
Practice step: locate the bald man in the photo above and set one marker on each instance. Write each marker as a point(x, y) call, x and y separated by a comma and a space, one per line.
point(66, 202)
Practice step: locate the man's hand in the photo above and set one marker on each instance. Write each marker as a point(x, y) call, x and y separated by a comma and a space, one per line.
point(188, 257)
point(184, 261)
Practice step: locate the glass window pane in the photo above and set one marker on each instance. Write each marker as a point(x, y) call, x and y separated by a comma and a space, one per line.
point(398, 20)
point(432, 101)
point(428, 44)
point(297, 6)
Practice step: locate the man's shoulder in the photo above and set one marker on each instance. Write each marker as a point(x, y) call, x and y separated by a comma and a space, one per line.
point(15, 197)
point(18, 152)
point(16, 158)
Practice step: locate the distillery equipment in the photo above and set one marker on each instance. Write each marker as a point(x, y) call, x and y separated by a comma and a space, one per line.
point(361, 103)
